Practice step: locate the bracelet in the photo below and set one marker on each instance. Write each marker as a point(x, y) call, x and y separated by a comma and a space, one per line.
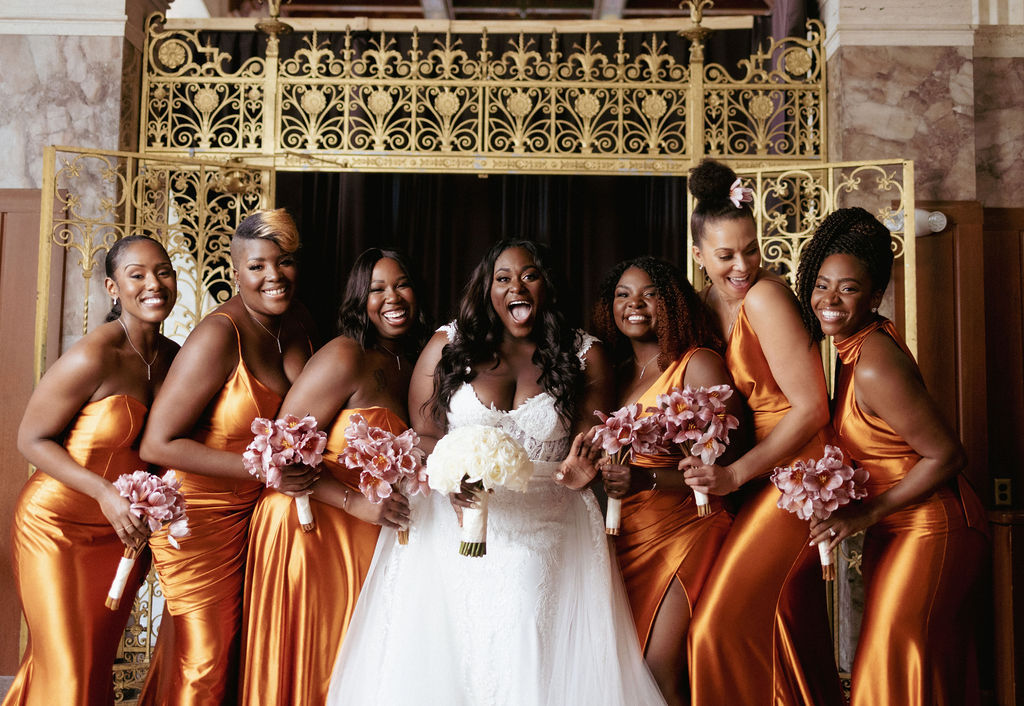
point(654, 480)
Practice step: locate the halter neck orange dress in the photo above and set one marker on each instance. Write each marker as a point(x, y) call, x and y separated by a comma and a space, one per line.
point(196, 657)
point(65, 554)
point(301, 589)
point(920, 564)
point(760, 634)
point(662, 536)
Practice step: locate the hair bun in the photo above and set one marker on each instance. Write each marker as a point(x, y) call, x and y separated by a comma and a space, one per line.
point(710, 181)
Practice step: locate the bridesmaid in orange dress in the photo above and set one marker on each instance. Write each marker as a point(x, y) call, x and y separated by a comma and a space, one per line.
point(236, 365)
point(660, 337)
point(925, 528)
point(301, 588)
point(760, 634)
point(71, 525)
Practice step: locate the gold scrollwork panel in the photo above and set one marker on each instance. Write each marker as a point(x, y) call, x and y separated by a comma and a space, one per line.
point(398, 100)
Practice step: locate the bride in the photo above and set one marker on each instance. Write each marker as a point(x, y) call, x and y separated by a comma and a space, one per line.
point(542, 617)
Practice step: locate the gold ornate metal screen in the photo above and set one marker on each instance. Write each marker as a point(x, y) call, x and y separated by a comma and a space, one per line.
point(615, 101)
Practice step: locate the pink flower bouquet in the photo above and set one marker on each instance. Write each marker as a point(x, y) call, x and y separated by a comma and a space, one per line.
point(816, 489)
point(158, 501)
point(385, 462)
point(285, 442)
point(621, 434)
point(696, 421)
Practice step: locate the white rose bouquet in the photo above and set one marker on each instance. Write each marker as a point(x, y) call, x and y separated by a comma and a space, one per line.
point(486, 458)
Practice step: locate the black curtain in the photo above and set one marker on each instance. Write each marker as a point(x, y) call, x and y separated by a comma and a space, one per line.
point(446, 222)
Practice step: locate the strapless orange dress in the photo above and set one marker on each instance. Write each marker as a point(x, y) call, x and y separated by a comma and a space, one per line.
point(760, 634)
point(65, 554)
point(920, 565)
point(662, 536)
point(195, 661)
point(301, 589)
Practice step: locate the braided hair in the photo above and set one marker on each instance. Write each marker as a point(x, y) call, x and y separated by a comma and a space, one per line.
point(710, 183)
point(682, 321)
point(848, 231)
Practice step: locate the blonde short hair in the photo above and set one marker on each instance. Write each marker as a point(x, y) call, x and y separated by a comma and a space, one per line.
point(276, 225)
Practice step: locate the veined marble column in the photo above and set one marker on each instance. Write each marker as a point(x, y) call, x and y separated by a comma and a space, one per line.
point(72, 73)
point(936, 81)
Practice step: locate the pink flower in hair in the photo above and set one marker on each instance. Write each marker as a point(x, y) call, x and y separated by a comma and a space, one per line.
point(739, 194)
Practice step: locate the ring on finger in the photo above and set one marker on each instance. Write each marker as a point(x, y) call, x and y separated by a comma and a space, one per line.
point(832, 532)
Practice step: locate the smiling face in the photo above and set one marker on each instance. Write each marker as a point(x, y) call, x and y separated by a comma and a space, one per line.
point(391, 304)
point(144, 282)
point(634, 305)
point(730, 254)
point(843, 298)
point(266, 275)
point(517, 291)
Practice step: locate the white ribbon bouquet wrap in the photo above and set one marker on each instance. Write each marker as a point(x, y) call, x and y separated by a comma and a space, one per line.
point(485, 458)
point(158, 501)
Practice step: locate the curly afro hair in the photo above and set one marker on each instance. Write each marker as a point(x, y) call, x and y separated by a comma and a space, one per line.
point(848, 231)
point(710, 183)
point(682, 320)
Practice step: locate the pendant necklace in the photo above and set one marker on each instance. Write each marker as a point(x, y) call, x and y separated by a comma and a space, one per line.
point(149, 365)
point(643, 369)
point(398, 360)
point(277, 337)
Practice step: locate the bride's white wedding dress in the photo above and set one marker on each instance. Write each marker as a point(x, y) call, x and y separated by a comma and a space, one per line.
point(541, 619)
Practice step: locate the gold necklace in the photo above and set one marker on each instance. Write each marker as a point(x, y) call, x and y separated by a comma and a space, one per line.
point(277, 337)
point(149, 365)
point(385, 348)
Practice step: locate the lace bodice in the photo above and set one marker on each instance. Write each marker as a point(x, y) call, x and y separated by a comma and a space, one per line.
point(535, 423)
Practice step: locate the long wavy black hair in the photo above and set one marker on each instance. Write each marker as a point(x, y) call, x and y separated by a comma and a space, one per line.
point(681, 319)
point(848, 231)
point(480, 333)
point(354, 322)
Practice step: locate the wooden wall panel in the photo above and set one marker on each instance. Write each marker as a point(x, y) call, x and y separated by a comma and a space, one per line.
point(19, 247)
point(19, 254)
point(951, 328)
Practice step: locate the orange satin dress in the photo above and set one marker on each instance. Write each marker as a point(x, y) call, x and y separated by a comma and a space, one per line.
point(920, 565)
point(301, 589)
point(760, 634)
point(662, 536)
point(196, 660)
point(65, 554)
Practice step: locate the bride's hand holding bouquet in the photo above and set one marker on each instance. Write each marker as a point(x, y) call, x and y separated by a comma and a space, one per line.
point(474, 459)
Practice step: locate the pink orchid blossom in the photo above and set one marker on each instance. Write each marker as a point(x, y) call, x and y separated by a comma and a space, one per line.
point(385, 461)
point(157, 500)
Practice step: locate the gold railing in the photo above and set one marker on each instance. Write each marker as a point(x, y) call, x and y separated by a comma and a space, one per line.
point(388, 96)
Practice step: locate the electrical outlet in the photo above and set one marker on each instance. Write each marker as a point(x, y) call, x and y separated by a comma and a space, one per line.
point(1003, 495)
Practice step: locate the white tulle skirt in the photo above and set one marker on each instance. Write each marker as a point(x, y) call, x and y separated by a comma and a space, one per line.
point(542, 619)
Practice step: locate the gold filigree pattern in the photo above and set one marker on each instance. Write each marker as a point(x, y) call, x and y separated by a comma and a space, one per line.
point(533, 101)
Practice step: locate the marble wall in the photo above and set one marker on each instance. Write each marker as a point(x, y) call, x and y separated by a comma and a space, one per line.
point(914, 102)
point(63, 90)
point(999, 130)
